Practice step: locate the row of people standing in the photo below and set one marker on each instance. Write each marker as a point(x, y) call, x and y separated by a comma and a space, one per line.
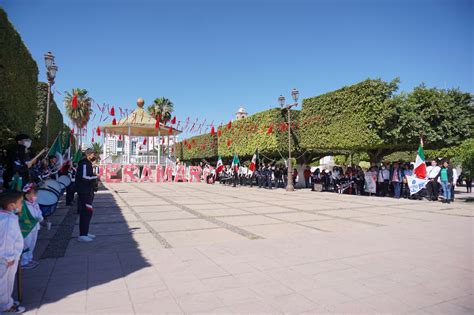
point(264, 176)
point(390, 180)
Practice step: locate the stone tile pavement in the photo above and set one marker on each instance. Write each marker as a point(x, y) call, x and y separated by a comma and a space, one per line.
point(196, 248)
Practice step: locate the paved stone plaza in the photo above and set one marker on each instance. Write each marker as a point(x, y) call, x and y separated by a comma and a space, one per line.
point(197, 248)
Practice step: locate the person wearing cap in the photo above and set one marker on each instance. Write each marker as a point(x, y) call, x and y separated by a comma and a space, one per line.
point(85, 184)
point(432, 173)
point(17, 160)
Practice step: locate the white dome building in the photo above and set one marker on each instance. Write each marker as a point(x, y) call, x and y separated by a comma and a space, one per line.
point(241, 113)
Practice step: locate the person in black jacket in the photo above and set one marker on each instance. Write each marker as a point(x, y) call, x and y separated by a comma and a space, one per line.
point(17, 160)
point(85, 183)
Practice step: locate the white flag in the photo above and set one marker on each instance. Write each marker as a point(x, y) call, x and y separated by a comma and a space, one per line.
point(415, 184)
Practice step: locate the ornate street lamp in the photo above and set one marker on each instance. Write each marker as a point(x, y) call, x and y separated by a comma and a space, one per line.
point(281, 100)
point(51, 70)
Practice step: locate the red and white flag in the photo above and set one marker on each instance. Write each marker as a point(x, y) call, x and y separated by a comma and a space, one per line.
point(253, 163)
point(219, 166)
point(420, 165)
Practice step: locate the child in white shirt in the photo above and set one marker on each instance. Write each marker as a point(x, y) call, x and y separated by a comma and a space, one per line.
point(27, 261)
point(11, 247)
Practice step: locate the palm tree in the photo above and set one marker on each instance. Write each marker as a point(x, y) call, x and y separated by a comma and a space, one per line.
point(79, 114)
point(161, 106)
point(97, 147)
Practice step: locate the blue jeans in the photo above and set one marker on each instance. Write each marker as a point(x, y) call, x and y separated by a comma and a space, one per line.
point(446, 190)
point(396, 189)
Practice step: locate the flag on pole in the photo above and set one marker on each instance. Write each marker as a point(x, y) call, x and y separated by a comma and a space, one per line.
point(254, 162)
point(420, 166)
point(220, 165)
point(56, 150)
point(26, 221)
point(235, 161)
point(77, 156)
point(67, 147)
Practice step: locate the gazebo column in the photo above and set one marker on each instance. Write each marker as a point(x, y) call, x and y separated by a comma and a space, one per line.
point(159, 146)
point(147, 149)
point(104, 145)
point(168, 146)
point(174, 146)
point(129, 146)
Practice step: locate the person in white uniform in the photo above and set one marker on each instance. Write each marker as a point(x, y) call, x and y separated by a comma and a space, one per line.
point(432, 173)
point(27, 261)
point(11, 247)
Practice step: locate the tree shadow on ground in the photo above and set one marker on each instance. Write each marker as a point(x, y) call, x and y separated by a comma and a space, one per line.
point(72, 273)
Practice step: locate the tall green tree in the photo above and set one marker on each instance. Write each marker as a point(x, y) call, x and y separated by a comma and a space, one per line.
point(369, 117)
point(97, 147)
point(18, 83)
point(161, 106)
point(353, 118)
point(56, 125)
point(78, 108)
point(81, 112)
point(443, 117)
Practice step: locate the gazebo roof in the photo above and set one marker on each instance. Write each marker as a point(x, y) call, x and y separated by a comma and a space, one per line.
point(140, 123)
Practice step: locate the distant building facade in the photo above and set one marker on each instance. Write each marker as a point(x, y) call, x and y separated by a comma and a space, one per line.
point(241, 114)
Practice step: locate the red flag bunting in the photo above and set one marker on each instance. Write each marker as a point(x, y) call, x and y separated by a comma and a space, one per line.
point(270, 130)
point(170, 130)
point(213, 132)
point(144, 141)
point(229, 125)
point(157, 124)
point(112, 111)
point(228, 142)
point(74, 101)
point(219, 133)
point(173, 121)
point(120, 137)
point(92, 139)
point(114, 122)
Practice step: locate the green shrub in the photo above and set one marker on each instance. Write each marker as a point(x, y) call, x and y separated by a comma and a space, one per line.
point(197, 148)
point(351, 118)
point(251, 133)
point(56, 124)
point(18, 82)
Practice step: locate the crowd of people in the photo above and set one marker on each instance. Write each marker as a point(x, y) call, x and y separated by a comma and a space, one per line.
point(389, 178)
point(21, 215)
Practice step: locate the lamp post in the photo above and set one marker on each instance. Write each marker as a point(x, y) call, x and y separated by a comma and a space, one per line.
point(281, 101)
point(51, 70)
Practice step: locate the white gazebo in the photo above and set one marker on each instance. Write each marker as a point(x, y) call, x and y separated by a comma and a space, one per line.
point(141, 124)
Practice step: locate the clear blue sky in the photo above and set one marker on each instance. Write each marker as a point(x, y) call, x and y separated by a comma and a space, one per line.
point(210, 57)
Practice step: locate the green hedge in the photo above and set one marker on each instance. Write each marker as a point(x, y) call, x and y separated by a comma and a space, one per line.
point(56, 124)
point(251, 133)
point(18, 82)
point(351, 118)
point(197, 148)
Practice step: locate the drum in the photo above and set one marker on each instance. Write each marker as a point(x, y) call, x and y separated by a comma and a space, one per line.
point(65, 180)
point(53, 184)
point(47, 200)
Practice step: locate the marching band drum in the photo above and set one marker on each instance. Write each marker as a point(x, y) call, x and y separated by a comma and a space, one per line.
point(49, 193)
